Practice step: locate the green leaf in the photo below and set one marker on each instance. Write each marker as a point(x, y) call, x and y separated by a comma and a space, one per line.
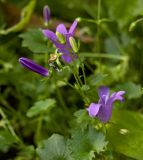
point(132, 90)
point(131, 8)
point(25, 17)
point(85, 88)
point(82, 119)
point(54, 148)
point(6, 140)
point(94, 80)
point(26, 153)
point(125, 134)
point(85, 143)
point(40, 107)
point(35, 41)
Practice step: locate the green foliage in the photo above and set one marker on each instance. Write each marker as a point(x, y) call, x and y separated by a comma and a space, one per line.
point(132, 90)
point(41, 107)
point(25, 17)
point(131, 8)
point(85, 143)
point(54, 148)
point(125, 133)
point(35, 41)
point(27, 152)
point(6, 140)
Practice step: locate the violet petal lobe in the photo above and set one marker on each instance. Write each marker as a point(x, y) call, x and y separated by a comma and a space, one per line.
point(50, 35)
point(61, 29)
point(73, 27)
point(117, 96)
point(66, 55)
point(93, 109)
point(31, 65)
point(103, 93)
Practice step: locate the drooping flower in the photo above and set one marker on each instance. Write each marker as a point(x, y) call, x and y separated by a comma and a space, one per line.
point(63, 47)
point(31, 65)
point(103, 109)
point(46, 14)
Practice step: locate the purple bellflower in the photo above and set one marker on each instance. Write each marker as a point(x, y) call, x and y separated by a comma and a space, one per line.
point(65, 48)
point(29, 64)
point(103, 109)
point(46, 14)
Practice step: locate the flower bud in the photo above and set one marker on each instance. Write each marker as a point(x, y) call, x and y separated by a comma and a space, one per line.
point(73, 44)
point(31, 65)
point(60, 37)
point(46, 15)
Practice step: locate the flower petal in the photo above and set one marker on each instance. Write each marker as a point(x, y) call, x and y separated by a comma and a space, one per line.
point(49, 34)
point(93, 109)
point(105, 113)
point(106, 110)
point(103, 93)
point(61, 29)
point(103, 90)
point(67, 56)
point(73, 27)
point(117, 96)
point(31, 65)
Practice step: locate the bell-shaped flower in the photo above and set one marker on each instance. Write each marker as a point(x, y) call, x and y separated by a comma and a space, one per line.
point(103, 109)
point(31, 65)
point(68, 54)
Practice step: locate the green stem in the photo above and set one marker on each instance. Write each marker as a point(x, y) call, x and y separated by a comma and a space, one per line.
point(5, 104)
point(98, 30)
point(77, 81)
point(103, 55)
point(83, 72)
point(38, 130)
point(60, 97)
point(78, 77)
point(9, 127)
point(85, 98)
point(89, 67)
point(99, 10)
point(72, 86)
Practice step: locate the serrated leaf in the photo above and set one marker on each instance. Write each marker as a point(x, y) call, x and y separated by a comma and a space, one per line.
point(82, 118)
point(54, 148)
point(35, 41)
point(40, 107)
point(125, 134)
point(85, 143)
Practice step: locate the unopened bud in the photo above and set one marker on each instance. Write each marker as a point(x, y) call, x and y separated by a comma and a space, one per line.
point(61, 37)
point(46, 15)
point(73, 44)
point(78, 19)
